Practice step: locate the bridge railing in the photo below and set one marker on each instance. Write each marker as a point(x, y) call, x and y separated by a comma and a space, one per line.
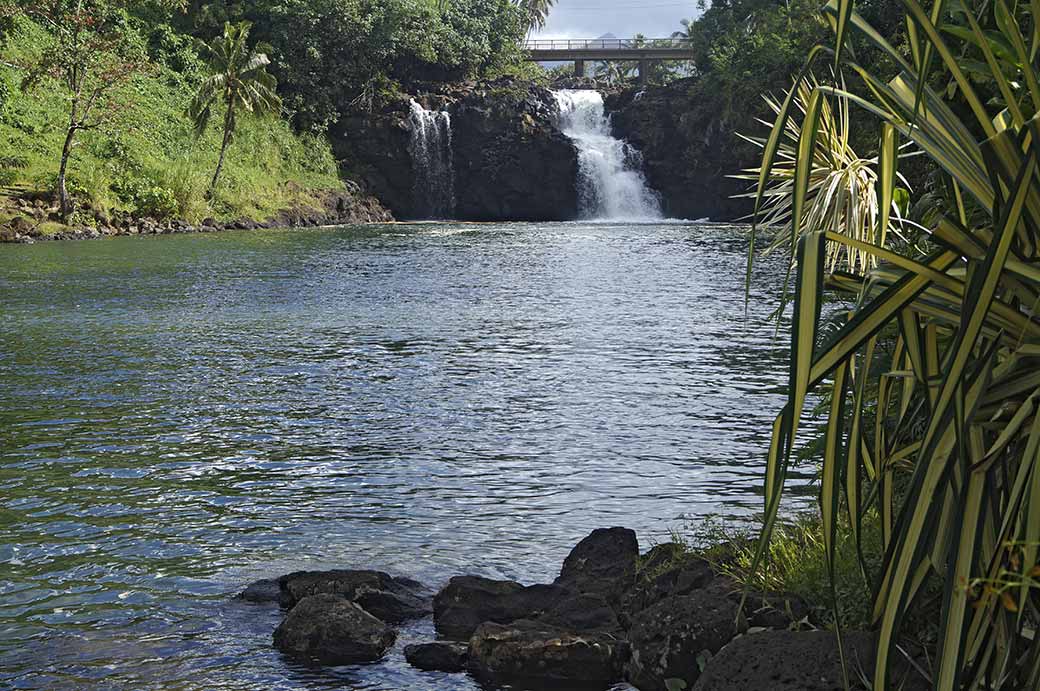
point(605, 43)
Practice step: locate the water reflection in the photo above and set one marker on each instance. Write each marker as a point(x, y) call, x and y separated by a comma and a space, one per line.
point(182, 414)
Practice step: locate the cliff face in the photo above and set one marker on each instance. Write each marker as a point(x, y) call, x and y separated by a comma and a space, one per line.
point(687, 156)
point(510, 160)
point(373, 149)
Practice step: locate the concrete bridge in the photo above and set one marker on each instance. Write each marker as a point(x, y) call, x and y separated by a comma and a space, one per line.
point(642, 50)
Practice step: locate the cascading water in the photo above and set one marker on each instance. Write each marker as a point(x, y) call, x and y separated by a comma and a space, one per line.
point(610, 180)
point(433, 189)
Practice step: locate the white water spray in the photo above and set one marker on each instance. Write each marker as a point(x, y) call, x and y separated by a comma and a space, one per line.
point(433, 187)
point(610, 180)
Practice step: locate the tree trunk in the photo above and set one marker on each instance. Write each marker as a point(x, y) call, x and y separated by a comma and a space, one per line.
point(223, 149)
point(64, 202)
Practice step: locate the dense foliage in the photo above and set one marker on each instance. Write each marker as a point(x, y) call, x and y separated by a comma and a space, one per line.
point(333, 55)
point(143, 156)
point(102, 72)
point(933, 430)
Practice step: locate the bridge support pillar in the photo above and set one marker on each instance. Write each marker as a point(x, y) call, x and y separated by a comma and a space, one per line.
point(579, 68)
point(644, 71)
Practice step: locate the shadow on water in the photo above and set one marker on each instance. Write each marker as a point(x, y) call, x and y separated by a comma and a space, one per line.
point(183, 414)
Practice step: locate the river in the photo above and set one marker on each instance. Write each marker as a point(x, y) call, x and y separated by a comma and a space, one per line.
point(183, 414)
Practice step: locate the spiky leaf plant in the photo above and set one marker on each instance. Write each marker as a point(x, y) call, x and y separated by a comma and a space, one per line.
point(944, 443)
point(841, 192)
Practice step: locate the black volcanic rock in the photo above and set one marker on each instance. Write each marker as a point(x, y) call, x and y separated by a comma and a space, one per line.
point(536, 652)
point(439, 656)
point(334, 631)
point(797, 661)
point(392, 599)
point(510, 159)
point(687, 154)
point(603, 563)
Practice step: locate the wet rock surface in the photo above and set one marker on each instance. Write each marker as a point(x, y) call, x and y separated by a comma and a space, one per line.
point(394, 600)
point(528, 650)
point(511, 162)
point(611, 615)
point(440, 656)
point(687, 155)
point(264, 590)
point(334, 631)
point(468, 601)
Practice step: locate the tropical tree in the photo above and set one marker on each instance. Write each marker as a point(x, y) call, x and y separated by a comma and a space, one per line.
point(91, 52)
point(686, 33)
point(537, 12)
point(239, 82)
point(934, 374)
point(613, 72)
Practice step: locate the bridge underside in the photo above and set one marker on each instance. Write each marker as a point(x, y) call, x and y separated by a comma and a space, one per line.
point(644, 56)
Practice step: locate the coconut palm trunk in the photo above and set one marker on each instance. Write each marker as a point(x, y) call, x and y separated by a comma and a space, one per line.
point(239, 81)
point(229, 126)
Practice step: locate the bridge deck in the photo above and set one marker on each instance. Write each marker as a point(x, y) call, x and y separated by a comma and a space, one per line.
point(608, 49)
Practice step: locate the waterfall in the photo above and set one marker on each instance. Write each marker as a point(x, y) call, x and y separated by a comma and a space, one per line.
point(433, 187)
point(610, 178)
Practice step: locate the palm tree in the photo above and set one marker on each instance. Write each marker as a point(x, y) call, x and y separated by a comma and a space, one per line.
point(240, 81)
point(613, 71)
point(537, 12)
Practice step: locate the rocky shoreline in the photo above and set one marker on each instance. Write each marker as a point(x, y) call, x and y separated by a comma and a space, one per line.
point(334, 207)
point(664, 620)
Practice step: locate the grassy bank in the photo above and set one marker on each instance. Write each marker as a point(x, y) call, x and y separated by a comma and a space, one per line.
point(144, 158)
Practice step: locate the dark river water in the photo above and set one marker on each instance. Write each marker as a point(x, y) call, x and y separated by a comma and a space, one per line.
point(183, 414)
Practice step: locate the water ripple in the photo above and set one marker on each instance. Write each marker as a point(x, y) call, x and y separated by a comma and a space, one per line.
point(183, 414)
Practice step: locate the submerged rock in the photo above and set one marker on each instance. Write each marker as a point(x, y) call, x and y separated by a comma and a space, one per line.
point(673, 638)
point(331, 630)
point(535, 651)
point(264, 590)
point(392, 599)
point(439, 656)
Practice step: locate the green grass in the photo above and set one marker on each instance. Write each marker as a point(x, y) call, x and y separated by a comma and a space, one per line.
point(796, 564)
point(146, 159)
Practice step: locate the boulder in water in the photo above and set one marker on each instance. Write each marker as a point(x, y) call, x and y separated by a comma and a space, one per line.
point(392, 599)
point(263, 591)
point(439, 656)
point(468, 601)
point(332, 630)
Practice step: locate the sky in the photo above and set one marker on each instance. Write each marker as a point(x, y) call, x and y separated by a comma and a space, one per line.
point(623, 18)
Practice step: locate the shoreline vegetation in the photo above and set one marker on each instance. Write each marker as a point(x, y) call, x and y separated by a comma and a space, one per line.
point(675, 617)
point(897, 149)
point(137, 155)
